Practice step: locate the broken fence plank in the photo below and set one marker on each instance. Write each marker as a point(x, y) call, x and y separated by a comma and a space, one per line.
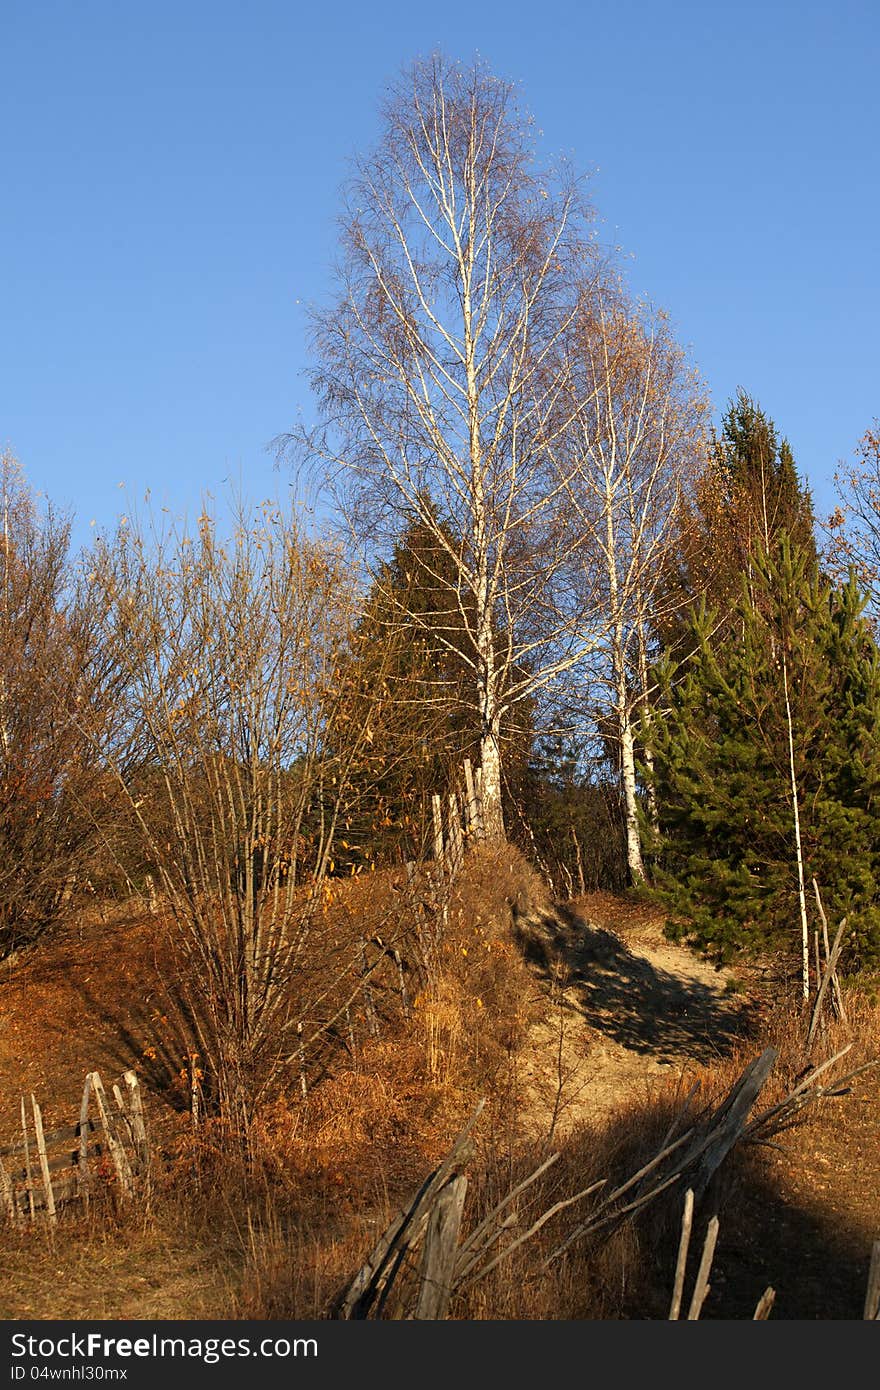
point(731, 1118)
point(68, 1161)
point(67, 1134)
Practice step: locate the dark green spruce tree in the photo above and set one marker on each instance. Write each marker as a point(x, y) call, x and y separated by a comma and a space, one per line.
point(724, 856)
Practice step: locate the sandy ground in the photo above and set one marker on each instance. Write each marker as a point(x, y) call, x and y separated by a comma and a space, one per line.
point(627, 1011)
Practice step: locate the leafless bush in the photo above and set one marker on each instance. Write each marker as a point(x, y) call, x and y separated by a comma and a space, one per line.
point(51, 785)
point(225, 658)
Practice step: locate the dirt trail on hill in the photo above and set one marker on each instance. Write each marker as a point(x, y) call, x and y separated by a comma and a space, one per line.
point(628, 1009)
point(629, 1013)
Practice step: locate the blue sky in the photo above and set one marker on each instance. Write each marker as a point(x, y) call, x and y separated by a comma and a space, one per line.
point(171, 173)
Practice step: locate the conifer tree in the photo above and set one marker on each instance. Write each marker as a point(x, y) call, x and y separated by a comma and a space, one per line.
point(749, 497)
point(726, 859)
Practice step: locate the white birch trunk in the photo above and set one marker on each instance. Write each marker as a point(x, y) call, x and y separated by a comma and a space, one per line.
point(493, 817)
point(630, 800)
point(622, 710)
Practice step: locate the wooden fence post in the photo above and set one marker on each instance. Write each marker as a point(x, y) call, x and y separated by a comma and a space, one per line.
point(456, 845)
point(438, 829)
point(478, 798)
point(44, 1160)
point(82, 1173)
point(123, 1113)
point(27, 1160)
point(303, 1084)
point(115, 1147)
point(681, 1263)
point(152, 900)
point(194, 1091)
point(138, 1125)
point(441, 1249)
point(8, 1195)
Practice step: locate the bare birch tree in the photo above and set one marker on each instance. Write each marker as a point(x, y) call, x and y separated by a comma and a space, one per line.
point(439, 371)
point(633, 451)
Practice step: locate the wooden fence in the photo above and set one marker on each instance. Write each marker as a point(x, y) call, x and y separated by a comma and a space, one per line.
point(459, 823)
point(45, 1170)
point(427, 1255)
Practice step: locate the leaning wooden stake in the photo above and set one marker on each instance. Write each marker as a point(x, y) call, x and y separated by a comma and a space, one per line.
point(702, 1286)
point(368, 1293)
point(44, 1160)
point(681, 1263)
point(122, 1110)
point(836, 991)
point(828, 976)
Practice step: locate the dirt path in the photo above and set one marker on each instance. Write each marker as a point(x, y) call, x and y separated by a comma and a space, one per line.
point(628, 1010)
point(633, 1012)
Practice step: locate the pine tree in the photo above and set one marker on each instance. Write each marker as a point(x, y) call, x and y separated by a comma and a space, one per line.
point(725, 855)
point(749, 498)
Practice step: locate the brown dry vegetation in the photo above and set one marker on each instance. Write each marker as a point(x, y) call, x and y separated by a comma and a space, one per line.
point(512, 974)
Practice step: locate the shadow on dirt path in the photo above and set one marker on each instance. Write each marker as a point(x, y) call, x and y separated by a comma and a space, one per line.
point(649, 1009)
point(657, 1000)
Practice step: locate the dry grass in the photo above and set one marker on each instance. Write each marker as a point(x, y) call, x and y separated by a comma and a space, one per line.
point(277, 1237)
